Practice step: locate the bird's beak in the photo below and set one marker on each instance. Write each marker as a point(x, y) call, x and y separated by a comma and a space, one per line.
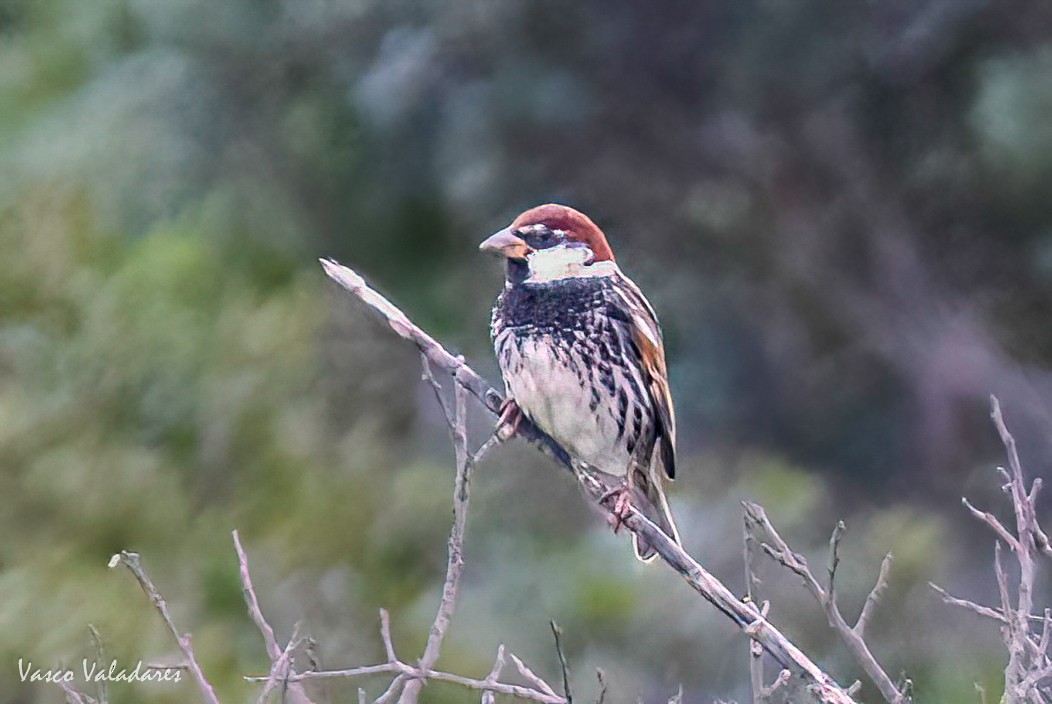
point(507, 244)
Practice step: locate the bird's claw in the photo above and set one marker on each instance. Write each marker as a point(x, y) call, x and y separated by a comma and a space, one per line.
point(509, 421)
point(621, 508)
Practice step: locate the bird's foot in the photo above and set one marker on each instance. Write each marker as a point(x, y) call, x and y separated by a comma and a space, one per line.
point(621, 507)
point(509, 421)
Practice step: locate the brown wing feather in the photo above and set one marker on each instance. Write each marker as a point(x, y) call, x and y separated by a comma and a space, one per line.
point(646, 334)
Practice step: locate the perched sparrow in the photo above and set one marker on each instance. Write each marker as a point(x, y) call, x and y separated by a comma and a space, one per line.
point(581, 354)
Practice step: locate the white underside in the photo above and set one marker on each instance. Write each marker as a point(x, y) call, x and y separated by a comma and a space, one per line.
point(554, 398)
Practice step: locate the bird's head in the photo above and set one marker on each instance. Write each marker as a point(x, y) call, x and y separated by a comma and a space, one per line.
point(550, 241)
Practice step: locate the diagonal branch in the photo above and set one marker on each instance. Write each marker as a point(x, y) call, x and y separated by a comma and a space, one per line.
point(979, 609)
point(133, 562)
point(746, 616)
point(875, 595)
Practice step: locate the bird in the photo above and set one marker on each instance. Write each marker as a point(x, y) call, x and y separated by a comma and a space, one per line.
point(581, 354)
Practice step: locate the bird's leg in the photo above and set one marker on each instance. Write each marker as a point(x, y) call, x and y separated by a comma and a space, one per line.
point(510, 419)
point(622, 505)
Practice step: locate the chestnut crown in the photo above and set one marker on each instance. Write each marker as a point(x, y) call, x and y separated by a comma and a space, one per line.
point(576, 225)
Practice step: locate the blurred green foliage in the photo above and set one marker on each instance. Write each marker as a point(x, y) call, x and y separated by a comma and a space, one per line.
point(840, 212)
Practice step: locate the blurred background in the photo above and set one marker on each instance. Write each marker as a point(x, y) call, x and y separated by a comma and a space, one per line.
point(840, 211)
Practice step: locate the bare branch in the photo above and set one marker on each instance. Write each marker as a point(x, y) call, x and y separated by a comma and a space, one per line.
point(711, 589)
point(395, 688)
point(834, 558)
point(279, 674)
point(430, 379)
point(133, 562)
point(563, 665)
point(874, 596)
point(531, 677)
point(1046, 632)
point(1028, 664)
point(455, 561)
point(755, 650)
point(494, 674)
point(392, 691)
point(100, 657)
point(602, 686)
point(852, 637)
point(992, 521)
point(269, 641)
point(75, 697)
point(492, 441)
point(280, 658)
point(970, 605)
point(779, 682)
point(385, 634)
point(417, 674)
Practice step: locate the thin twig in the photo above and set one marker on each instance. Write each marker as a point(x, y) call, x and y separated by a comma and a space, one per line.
point(751, 583)
point(392, 691)
point(418, 674)
point(385, 635)
point(75, 697)
point(712, 590)
point(280, 658)
point(851, 636)
point(1016, 679)
point(249, 593)
point(602, 686)
point(395, 688)
point(834, 558)
point(564, 666)
point(100, 658)
point(530, 676)
point(779, 682)
point(995, 524)
point(133, 562)
point(1028, 664)
point(429, 377)
point(280, 671)
point(979, 609)
point(455, 561)
point(874, 596)
point(494, 675)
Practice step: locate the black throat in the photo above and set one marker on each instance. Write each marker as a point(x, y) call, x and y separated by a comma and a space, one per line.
point(518, 270)
point(552, 306)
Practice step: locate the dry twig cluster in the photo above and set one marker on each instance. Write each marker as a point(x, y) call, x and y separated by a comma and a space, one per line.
point(1027, 636)
point(1028, 675)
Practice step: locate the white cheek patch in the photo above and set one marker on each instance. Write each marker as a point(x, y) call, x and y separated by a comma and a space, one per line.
point(557, 263)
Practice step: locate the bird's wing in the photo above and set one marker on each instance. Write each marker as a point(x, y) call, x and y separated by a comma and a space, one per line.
point(644, 331)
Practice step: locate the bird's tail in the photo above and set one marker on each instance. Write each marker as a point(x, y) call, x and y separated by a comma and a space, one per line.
point(648, 496)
